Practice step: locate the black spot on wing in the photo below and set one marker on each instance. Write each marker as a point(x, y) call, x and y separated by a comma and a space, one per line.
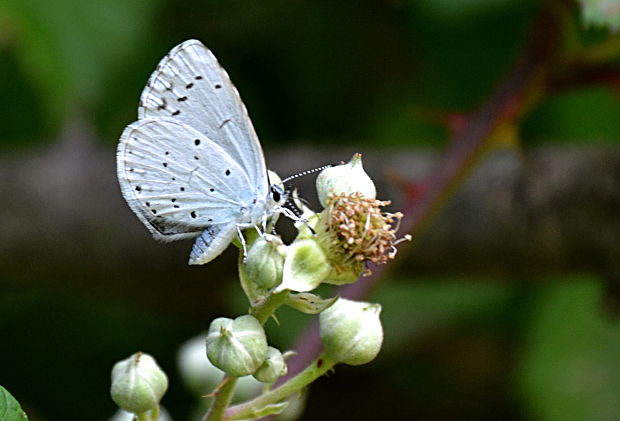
point(162, 105)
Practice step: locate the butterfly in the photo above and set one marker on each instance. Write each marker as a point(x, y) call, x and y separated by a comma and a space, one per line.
point(192, 165)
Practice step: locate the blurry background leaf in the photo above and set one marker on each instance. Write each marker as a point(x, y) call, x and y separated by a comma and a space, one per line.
point(605, 13)
point(570, 118)
point(571, 363)
point(70, 50)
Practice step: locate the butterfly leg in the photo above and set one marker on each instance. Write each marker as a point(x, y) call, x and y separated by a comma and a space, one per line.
point(291, 215)
point(243, 244)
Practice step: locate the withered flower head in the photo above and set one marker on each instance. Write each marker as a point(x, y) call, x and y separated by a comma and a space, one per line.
point(357, 230)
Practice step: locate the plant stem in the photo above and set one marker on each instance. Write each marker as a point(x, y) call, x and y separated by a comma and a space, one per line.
point(316, 369)
point(222, 399)
point(150, 415)
point(263, 310)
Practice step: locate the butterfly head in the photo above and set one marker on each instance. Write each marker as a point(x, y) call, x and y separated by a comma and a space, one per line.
point(278, 194)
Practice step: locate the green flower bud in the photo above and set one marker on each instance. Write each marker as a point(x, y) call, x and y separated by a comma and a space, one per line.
point(347, 178)
point(265, 261)
point(201, 377)
point(122, 415)
point(272, 368)
point(351, 331)
point(237, 347)
point(138, 383)
point(198, 374)
point(305, 267)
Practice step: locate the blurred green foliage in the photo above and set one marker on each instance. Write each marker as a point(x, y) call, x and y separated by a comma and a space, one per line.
point(603, 13)
point(378, 73)
point(571, 360)
point(568, 118)
point(67, 50)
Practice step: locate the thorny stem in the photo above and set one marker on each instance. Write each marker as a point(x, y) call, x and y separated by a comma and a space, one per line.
point(265, 309)
point(248, 409)
point(262, 311)
point(466, 147)
point(222, 399)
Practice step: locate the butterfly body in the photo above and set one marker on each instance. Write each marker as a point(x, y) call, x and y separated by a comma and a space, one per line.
point(192, 165)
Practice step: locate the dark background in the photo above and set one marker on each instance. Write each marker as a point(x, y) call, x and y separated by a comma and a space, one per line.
point(504, 306)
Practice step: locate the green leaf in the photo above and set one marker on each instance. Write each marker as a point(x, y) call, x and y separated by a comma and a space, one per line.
point(271, 409)
point(309, 303)
point(571, 361)
point(10, 410)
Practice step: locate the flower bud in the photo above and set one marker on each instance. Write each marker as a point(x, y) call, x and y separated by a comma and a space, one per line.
point(201, 377)
point(138, 383)
point(198, 374)
point(346, 178)
point(122, 415)
point(265, 261)
point(237, 347)
point(305, 267)
point(272, 368)
point(351, 331)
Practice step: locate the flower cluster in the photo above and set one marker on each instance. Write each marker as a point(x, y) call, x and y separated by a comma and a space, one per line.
point(333, 246)
point(350, 232)
point(357, 230)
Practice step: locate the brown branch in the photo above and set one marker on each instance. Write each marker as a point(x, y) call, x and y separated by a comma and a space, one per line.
point(506, 103)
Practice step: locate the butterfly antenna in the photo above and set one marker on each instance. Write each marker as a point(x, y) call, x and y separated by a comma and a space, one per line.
point(292, 206)
point(294, 176)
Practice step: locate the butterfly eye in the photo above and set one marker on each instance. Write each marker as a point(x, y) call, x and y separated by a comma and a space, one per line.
point(276, 193)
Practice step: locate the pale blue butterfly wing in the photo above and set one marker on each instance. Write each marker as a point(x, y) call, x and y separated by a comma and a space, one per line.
point(190, 85)
point(192, 164)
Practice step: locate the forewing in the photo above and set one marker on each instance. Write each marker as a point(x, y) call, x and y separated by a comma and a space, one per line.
point(177, 181)
point(190, 85)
